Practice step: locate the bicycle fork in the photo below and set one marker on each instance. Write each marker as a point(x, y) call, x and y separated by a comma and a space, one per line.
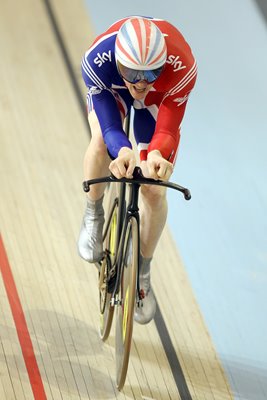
point(131, 212)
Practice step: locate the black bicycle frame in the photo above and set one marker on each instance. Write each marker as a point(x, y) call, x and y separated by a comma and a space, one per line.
point(132, 211)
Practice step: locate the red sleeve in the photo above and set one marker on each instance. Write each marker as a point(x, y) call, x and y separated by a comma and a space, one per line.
point(167, 132)
point(177, 81)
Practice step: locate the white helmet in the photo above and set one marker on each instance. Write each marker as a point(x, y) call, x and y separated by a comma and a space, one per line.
point(140, 45)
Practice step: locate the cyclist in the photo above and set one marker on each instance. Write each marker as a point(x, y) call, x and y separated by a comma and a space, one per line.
point(145, 63)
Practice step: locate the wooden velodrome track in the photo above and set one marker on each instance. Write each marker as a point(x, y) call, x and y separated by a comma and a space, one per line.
point(48, 296)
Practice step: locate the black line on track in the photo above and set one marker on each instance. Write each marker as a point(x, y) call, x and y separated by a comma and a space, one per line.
point(175, 365)
point(262, 4)
point(65, 55)
point(159, 321)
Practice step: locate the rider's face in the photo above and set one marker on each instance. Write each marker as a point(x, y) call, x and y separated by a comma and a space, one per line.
point(138, 90)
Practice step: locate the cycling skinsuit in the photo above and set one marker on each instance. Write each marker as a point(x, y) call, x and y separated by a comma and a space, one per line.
point(158, 117)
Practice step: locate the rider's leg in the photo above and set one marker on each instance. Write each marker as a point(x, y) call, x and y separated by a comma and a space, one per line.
point(96, 162)
point(96, 159)
point(153, 211)
point(153, 214)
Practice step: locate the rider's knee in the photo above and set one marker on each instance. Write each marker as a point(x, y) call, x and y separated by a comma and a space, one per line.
point(153, 196)
point(97, 141)
point(99, 147)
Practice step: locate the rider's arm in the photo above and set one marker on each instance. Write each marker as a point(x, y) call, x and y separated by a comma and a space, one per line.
point(110, 121)
point(167, 133)
point(105, 106)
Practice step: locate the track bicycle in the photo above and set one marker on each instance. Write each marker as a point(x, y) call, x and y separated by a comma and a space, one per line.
point(119, 269)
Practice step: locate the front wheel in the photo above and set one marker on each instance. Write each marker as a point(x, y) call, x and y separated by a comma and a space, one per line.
point(126, 301)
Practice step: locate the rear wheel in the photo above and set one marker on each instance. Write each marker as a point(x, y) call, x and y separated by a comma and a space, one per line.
point(106, 310)
point(126, 302)
point(106, 275)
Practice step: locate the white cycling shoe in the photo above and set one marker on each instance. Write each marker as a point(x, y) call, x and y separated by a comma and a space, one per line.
point(144, 314)
point(90, 246)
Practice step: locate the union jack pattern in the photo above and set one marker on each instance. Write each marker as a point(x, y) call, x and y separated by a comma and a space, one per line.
point(158, 117)
point(141, 45)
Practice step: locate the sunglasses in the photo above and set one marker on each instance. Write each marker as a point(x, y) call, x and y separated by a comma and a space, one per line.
point(134, 75)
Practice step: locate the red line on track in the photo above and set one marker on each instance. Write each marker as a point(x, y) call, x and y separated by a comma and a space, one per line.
point(21, 326)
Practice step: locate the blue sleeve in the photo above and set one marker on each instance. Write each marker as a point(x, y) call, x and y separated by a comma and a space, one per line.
point(98, 81)
point(110, 121)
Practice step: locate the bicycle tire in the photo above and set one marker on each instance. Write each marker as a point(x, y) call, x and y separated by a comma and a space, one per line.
point(126, 301)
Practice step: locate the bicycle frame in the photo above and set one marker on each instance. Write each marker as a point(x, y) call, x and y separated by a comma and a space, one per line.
point(119, 275)
point(132, 211)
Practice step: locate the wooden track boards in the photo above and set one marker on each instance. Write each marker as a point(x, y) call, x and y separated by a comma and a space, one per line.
point(43, 139)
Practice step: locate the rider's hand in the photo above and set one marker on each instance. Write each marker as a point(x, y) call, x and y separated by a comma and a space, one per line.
point(123, 165)
point(158, 167)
